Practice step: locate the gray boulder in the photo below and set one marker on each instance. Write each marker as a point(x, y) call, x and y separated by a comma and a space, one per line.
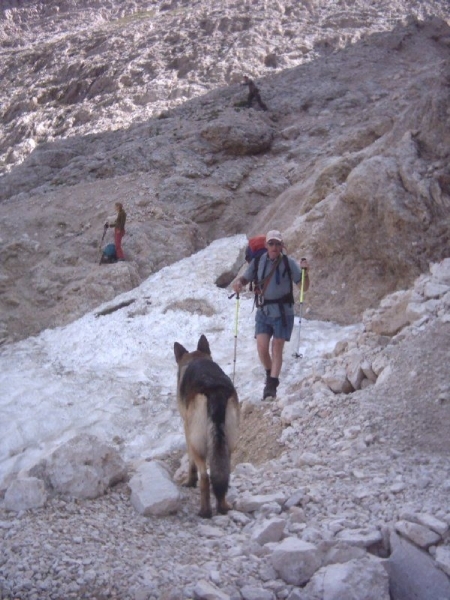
point(83, 467)
point(152, 491)
point(25, 493)
point(413, 574)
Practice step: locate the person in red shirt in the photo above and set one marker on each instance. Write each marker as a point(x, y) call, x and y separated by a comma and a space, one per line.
point(119, 229)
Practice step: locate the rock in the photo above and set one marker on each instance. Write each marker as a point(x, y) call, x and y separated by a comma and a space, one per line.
point(354, 371)
point(428, 521)
point(83, 467)
point(435, 290)
point(393, 319)
point(368, 371)
point(338, 382)
point(441, 272)
point(248, 503)
point(295, 560)
point(25, 493)
point(152, 492)
point(206, 591)
point(412, 573)
point(420, 535)
point(292, 412)
point(300, 459)
point(342, 553)
point(360, 579)
point(255, 593)
point(270, 530)
point(443, 558)
point(360, 538)
point(238, 134)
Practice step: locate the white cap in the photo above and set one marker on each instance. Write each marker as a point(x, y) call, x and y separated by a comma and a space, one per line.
point(274, 235)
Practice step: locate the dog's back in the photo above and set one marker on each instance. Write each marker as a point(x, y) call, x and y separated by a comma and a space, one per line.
point(209, 405)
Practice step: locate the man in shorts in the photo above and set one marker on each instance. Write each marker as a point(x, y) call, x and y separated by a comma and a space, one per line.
point(274, 273)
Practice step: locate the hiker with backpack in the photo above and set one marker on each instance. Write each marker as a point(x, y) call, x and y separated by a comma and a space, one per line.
point(119, 229)
point(272, 274)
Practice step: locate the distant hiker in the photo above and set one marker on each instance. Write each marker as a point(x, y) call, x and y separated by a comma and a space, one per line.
point(253, 93)
point(273, 273)
point(119, 229)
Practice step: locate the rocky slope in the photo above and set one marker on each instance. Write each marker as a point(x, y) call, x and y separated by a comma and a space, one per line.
point(340, 489)
point(351, 160)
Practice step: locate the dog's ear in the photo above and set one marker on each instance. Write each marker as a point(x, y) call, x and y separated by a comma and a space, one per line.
point(203, 345)
point(179, 351)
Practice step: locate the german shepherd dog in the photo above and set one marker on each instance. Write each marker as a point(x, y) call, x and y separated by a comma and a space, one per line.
point(209, 406)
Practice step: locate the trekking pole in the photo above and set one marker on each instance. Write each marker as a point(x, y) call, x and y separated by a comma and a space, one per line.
point(105, 229)
point(235, 332)
point(297, 354)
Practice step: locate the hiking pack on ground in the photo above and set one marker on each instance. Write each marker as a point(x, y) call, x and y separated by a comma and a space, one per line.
point(109, 254)
point(255, 250)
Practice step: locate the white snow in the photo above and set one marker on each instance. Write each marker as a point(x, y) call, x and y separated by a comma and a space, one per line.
point(114, 375)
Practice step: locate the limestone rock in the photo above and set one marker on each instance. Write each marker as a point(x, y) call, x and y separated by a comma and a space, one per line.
point(207, 591)
point(420, 535)
point(295, 560)
point(25, 493)
point(248, 503)
point(363, 579)
point(83, 467)
point(152, 491)
point(413, 573)
point(238, 135)
point(360, 538)
point(270, 530)
point(443, 558)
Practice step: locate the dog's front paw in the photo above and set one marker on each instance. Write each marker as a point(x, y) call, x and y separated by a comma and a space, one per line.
point(190, 482)
point(205, 513)
point(223, 507)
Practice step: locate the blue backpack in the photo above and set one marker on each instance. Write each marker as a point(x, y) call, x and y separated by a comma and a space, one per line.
point(109, 253)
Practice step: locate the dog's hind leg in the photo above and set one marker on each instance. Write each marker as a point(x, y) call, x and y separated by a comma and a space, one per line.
point(205, 498)
point(205, 501)
point(220, 488)
point(192, 476)
point(222, 506)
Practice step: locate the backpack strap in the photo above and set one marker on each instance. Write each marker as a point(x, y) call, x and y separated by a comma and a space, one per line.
point(288, 298)
point(289, 272)
point(254, 282)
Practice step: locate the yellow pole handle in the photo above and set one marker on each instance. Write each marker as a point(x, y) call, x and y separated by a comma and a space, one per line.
point(301, 286)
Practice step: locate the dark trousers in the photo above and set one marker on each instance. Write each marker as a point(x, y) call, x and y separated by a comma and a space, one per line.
point(255, 96)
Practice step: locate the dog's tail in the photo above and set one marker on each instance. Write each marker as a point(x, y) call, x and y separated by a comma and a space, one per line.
point(218, 444)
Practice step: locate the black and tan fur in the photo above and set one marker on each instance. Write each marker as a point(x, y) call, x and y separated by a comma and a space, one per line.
point(209, 406)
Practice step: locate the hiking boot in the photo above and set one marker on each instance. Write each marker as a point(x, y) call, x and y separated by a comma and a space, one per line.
point(270, 389)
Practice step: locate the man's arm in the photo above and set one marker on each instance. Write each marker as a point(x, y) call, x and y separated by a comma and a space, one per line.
point(239, 284)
